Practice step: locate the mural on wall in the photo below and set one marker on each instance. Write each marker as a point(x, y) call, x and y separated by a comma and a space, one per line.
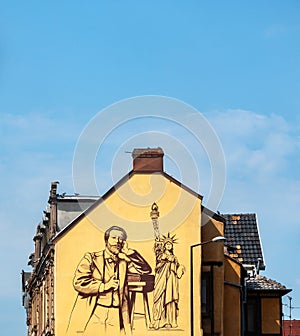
point(107, 283)
point(168, 271)
point(101, 282)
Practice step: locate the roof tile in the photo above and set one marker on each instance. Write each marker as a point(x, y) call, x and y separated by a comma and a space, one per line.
point(241, 232)
point(263, 283)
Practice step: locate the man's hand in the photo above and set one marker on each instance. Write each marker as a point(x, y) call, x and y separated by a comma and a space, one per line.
point(125, 248)
point(125, 252)
point(113, 283)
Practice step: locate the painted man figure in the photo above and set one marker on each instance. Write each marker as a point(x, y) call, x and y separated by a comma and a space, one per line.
point(102, 304)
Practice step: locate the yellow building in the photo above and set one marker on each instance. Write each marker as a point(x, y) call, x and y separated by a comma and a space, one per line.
point(146, 258)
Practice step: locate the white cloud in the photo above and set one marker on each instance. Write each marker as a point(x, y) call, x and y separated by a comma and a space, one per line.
point(36, 129)
point(262, 154)
point(256, 146)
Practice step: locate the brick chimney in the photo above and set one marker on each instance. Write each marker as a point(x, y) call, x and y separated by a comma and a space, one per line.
point(147, 160)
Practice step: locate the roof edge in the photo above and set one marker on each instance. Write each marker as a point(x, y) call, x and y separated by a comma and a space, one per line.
point(212, 214)
point(111, 190)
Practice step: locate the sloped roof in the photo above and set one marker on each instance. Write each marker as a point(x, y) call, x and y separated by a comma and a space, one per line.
point(242, 239)
point(71, 206)
point(112, 190)
point(261, 283)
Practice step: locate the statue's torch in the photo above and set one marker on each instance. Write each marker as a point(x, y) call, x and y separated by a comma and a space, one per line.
point(154, 214)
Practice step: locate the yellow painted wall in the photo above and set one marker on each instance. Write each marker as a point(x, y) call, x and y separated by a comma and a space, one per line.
point(232, 270)
point(270, 313)
point(129, 207)
point(214, 252)
point(232, 298)
point(218, 299)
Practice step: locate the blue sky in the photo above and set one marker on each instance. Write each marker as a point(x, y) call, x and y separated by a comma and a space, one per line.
point(236, 62)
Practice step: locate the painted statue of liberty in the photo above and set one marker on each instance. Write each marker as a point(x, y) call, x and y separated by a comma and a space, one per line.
point(168, 271)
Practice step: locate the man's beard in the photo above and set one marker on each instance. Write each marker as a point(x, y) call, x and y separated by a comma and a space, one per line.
point(114, 249)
